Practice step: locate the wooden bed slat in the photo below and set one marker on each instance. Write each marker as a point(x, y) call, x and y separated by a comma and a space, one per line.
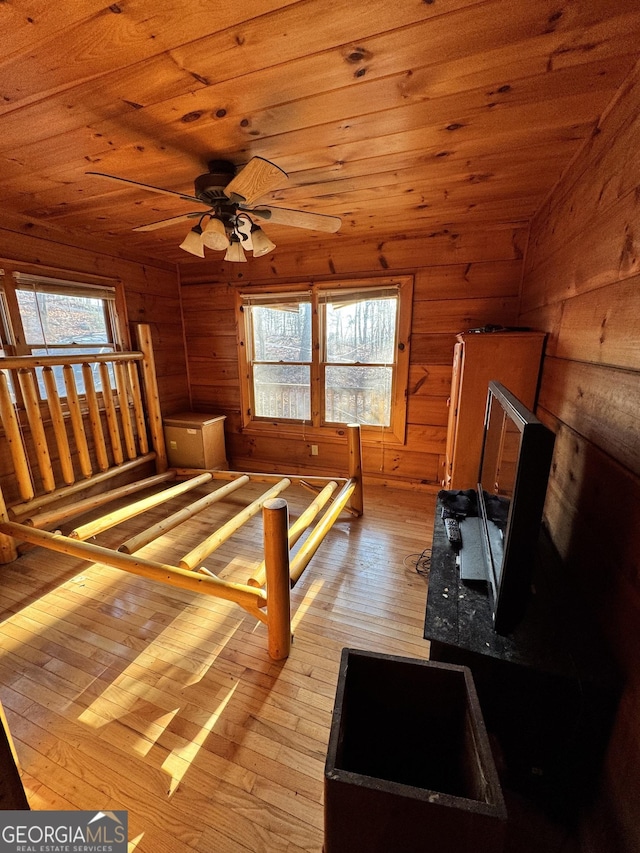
point(310, 487)
point(111, 519)
point(145, 536)
point(304, 520)
point(310, 546)
point(60, 513)
point(201, 551)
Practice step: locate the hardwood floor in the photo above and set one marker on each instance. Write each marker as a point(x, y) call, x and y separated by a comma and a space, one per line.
point(124, 694)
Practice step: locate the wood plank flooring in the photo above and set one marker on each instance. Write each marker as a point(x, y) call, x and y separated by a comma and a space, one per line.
point(124, 694)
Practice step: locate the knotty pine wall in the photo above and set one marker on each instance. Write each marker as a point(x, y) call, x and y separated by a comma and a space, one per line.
point(151, 289)
point(152, 296)
point(582, 285)
point(461, 280)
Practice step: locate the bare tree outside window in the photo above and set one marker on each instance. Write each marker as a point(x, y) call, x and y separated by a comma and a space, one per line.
point(360, 333)
point(325, 356)
point(53, 315)
point(281, 360)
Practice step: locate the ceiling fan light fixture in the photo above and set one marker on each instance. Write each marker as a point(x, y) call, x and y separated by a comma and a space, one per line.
point(214, 235)
point(235, 252)
point(244, 228)
point(262, 245)
point(192, 243)
point(228, 195)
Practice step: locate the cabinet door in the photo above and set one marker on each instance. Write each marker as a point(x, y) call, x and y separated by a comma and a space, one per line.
point(512, 358)
point(454, 404)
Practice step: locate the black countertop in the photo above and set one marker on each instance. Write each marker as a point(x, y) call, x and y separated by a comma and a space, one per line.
point(552, 637)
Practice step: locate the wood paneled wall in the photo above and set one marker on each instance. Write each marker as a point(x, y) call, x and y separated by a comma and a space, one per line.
point(151, 291)
point(462, 279)
point(582, 284)
point(152, 296)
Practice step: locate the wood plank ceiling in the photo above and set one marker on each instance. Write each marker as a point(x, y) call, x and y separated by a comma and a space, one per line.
point(396, 116)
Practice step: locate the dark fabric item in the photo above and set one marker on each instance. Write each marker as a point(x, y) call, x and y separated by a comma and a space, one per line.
point(458, 503)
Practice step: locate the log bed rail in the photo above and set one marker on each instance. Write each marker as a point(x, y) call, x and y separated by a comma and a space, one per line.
point(107, 422)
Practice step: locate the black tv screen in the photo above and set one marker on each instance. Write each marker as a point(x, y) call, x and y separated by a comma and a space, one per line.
point(512, 483)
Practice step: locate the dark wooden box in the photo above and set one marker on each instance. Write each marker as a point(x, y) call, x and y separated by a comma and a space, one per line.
point(409, 767)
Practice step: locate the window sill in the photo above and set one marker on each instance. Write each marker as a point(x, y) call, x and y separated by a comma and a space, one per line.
point(331, 434)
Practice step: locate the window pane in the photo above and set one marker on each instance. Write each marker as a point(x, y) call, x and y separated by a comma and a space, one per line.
point(77, 371)
point(282, 332)
point(52, 318)
point(363, 330)
point(282, 391)
point(358, 395)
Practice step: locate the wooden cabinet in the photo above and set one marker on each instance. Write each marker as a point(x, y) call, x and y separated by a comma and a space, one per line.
point(512, 358)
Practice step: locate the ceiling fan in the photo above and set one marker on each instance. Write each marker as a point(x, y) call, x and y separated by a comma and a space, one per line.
point(229, 196)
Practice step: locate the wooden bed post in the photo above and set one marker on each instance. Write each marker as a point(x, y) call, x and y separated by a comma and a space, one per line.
point(151, 396)
point(276, 556)
point(355, 467)
point(8, 548)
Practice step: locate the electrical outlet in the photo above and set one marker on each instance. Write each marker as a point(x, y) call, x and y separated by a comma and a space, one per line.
point(314, 449)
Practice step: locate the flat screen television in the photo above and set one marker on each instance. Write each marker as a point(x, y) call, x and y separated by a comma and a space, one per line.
point(512, 483)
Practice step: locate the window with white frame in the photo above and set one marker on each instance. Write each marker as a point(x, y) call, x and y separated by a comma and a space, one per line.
point(327, 354)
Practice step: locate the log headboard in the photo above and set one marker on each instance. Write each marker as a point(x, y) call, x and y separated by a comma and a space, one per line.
point(73, 423)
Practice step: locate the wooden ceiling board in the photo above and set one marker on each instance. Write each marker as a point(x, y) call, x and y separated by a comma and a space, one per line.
point(147, 83)
point(270, 104)
point(129, 32)
point(46, 197)
point(449, 115)
point(409, 170)
point(24, 27)
point(114, 36)
point(439, 175)
point(395, 117)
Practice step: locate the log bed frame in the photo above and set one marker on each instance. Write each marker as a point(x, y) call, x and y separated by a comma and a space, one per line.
point(134, 437)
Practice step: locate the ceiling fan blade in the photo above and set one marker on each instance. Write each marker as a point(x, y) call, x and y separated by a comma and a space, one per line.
point(163, 223)
point(137, 184)
point(258, 177)
point(299, 218)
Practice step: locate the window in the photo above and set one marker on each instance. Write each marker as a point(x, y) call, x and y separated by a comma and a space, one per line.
point(42, 315)
point(324, 355)
point(53, 314)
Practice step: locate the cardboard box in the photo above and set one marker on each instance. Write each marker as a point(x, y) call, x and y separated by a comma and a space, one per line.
point(195, 440)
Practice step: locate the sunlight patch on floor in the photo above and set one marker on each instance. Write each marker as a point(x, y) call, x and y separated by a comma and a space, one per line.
point(174, 661)
point(177, 763)
point(133, 842)
point(301, 609)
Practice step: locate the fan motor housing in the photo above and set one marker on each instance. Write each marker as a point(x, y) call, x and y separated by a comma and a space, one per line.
point(210, 186)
